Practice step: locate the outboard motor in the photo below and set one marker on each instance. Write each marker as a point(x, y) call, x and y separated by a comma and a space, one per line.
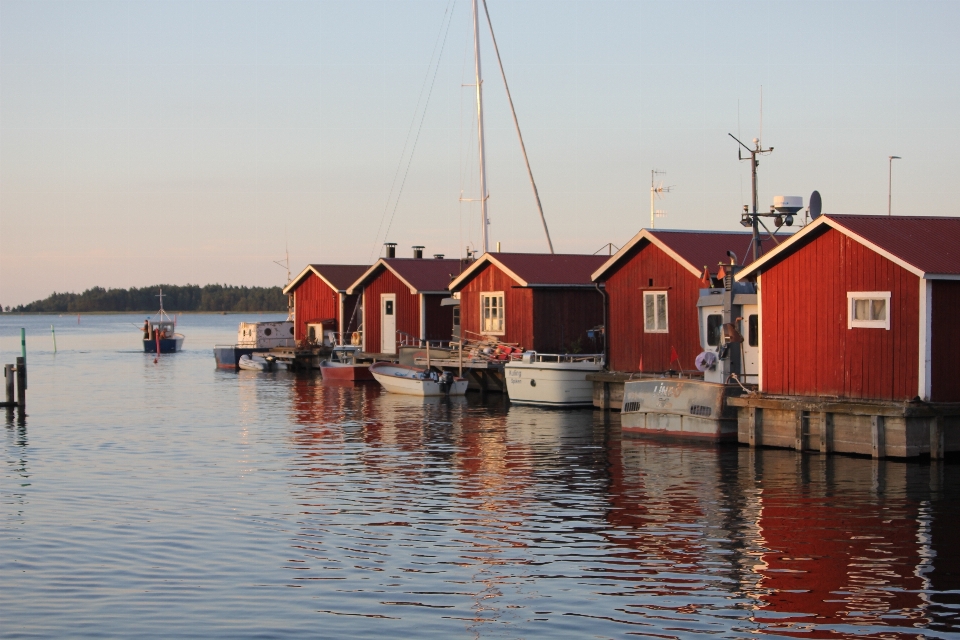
point(446, 381)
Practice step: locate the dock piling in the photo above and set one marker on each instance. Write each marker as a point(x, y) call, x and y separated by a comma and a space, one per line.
point(877, 436)
point(936, 438)
point(21, 384)
point(8, 381)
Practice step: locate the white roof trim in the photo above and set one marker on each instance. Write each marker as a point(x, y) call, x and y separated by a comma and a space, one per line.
point(834, 224)
point(483, 260)
point(651, 237)
point(383, 262)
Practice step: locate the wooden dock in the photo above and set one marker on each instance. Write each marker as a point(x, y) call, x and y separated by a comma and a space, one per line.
point(831, 425)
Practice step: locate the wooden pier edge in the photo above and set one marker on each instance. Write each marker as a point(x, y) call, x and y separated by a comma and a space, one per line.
point(830, 425)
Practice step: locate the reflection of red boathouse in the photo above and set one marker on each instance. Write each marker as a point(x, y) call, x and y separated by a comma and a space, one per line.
point(838, 557)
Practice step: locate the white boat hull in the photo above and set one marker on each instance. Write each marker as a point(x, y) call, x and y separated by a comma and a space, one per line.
point(407, 381)
point(559, 384)
point(255, 363)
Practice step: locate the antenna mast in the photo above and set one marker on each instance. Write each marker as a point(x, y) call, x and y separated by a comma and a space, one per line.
point(483, 167)
point(656, 191)
point(753, 219)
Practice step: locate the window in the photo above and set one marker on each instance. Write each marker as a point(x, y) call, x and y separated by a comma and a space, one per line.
point(491, 313)
point(655, 312)
point(868, 309)
point(753, 327)
point(714, 320)
point(456, 316)
point(388, 307)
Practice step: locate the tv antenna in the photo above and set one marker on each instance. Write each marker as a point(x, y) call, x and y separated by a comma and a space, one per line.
point(285, 264)
point(656, 191)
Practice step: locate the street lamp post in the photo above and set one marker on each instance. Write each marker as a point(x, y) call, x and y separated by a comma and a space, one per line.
point(890, 183)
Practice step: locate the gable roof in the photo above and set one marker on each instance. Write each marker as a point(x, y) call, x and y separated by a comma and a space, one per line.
point(692, 249)
point(536, 269)
point(421, 275)
point(338, 277)
point(927, 246)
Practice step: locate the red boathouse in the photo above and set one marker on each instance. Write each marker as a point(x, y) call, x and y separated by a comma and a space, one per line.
point(653, 284)
point(321, 302)
point(543, 302)
point(862, 307)
point(402, 301)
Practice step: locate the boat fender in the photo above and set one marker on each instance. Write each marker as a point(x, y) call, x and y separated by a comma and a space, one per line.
point(355, 339)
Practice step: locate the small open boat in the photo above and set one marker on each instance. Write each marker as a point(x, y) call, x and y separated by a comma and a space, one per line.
point(159, 333)
point(343, 365)
point(414, 381)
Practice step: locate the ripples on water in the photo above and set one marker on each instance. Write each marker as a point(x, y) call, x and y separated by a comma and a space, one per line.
point(176, 500)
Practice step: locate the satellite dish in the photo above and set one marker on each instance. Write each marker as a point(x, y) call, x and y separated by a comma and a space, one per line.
point(815, 205)
point(706, 360)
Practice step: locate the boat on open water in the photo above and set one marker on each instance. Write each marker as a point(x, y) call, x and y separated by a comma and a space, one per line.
point(160, 333)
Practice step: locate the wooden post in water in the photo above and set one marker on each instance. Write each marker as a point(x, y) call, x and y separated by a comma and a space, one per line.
point(460, 356)
point(428, 356)
point(8, 381)
point(21, 384)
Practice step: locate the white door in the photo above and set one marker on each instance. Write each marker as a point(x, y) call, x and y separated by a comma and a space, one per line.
point(750, 330)
point(388, 323)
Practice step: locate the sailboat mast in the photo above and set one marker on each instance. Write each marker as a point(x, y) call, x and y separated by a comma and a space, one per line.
point(483, 167)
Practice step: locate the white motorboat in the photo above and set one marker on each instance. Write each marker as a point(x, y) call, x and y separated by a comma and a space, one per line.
point(414, 381)
point(558, 380)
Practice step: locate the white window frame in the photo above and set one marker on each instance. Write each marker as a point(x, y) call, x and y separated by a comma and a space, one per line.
point(666, 311)
point(484, 296)
point(853, 296)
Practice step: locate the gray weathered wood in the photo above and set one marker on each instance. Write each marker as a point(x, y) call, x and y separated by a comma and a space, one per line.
point(826, 431)
point(877, 436)
point(753, 420)
point(21, 384)
point(936, 437)
point(798, 433)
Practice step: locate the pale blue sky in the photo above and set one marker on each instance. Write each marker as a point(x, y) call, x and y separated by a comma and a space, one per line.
point(145, 142)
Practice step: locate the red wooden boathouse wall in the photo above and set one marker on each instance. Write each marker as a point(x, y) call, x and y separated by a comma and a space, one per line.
point(945, 342)
point(407, 308)
point(545, 319)
point(562, 317)
point(627, 342)
point(517, 306)
point(807, 347)
point(314, 301)
point(439, 324)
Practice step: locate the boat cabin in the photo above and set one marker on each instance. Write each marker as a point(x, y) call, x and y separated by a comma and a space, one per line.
point(654, 305)
point(541, 302)
point(403, 301)
point(324, 313)
point(265, 335)
point(862, 307)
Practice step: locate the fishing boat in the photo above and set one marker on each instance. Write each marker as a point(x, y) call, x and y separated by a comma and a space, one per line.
point(343, 366)
point(414, 381)
point(160, 333)
point(558, 380)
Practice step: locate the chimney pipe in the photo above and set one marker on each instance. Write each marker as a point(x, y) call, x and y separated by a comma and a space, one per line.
point(418, 252)
point(438, 256)
point(391, 249)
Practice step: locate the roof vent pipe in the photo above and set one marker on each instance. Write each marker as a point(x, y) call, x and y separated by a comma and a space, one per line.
point(438, 256)
point(418, 252)
point(391, 249)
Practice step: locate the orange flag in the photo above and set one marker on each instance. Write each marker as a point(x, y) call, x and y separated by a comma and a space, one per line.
point(641, 362)
point(705, 278)
point(674, 356)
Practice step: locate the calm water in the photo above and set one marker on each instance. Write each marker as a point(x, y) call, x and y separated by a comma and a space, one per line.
point(174, 500)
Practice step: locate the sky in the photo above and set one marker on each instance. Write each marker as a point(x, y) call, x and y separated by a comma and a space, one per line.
point(198, 141)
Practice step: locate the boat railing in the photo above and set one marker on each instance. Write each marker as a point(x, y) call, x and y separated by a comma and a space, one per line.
point(407, 340)
point(533, 356)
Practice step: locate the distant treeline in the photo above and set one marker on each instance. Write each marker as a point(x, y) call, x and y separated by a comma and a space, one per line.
point(191, 297)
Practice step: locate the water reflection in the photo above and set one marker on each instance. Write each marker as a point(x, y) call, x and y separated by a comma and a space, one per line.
point(494, 516)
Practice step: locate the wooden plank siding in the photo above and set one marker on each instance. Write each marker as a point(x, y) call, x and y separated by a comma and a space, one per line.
point(314, 301)
point(562, 317)
point(627, 342)
point(807, 348)
point(517, 306)
point(945, 342)
point(439, 318)
point(407, 309)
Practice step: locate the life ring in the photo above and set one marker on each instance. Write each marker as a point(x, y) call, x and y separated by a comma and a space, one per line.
point(355, 338)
